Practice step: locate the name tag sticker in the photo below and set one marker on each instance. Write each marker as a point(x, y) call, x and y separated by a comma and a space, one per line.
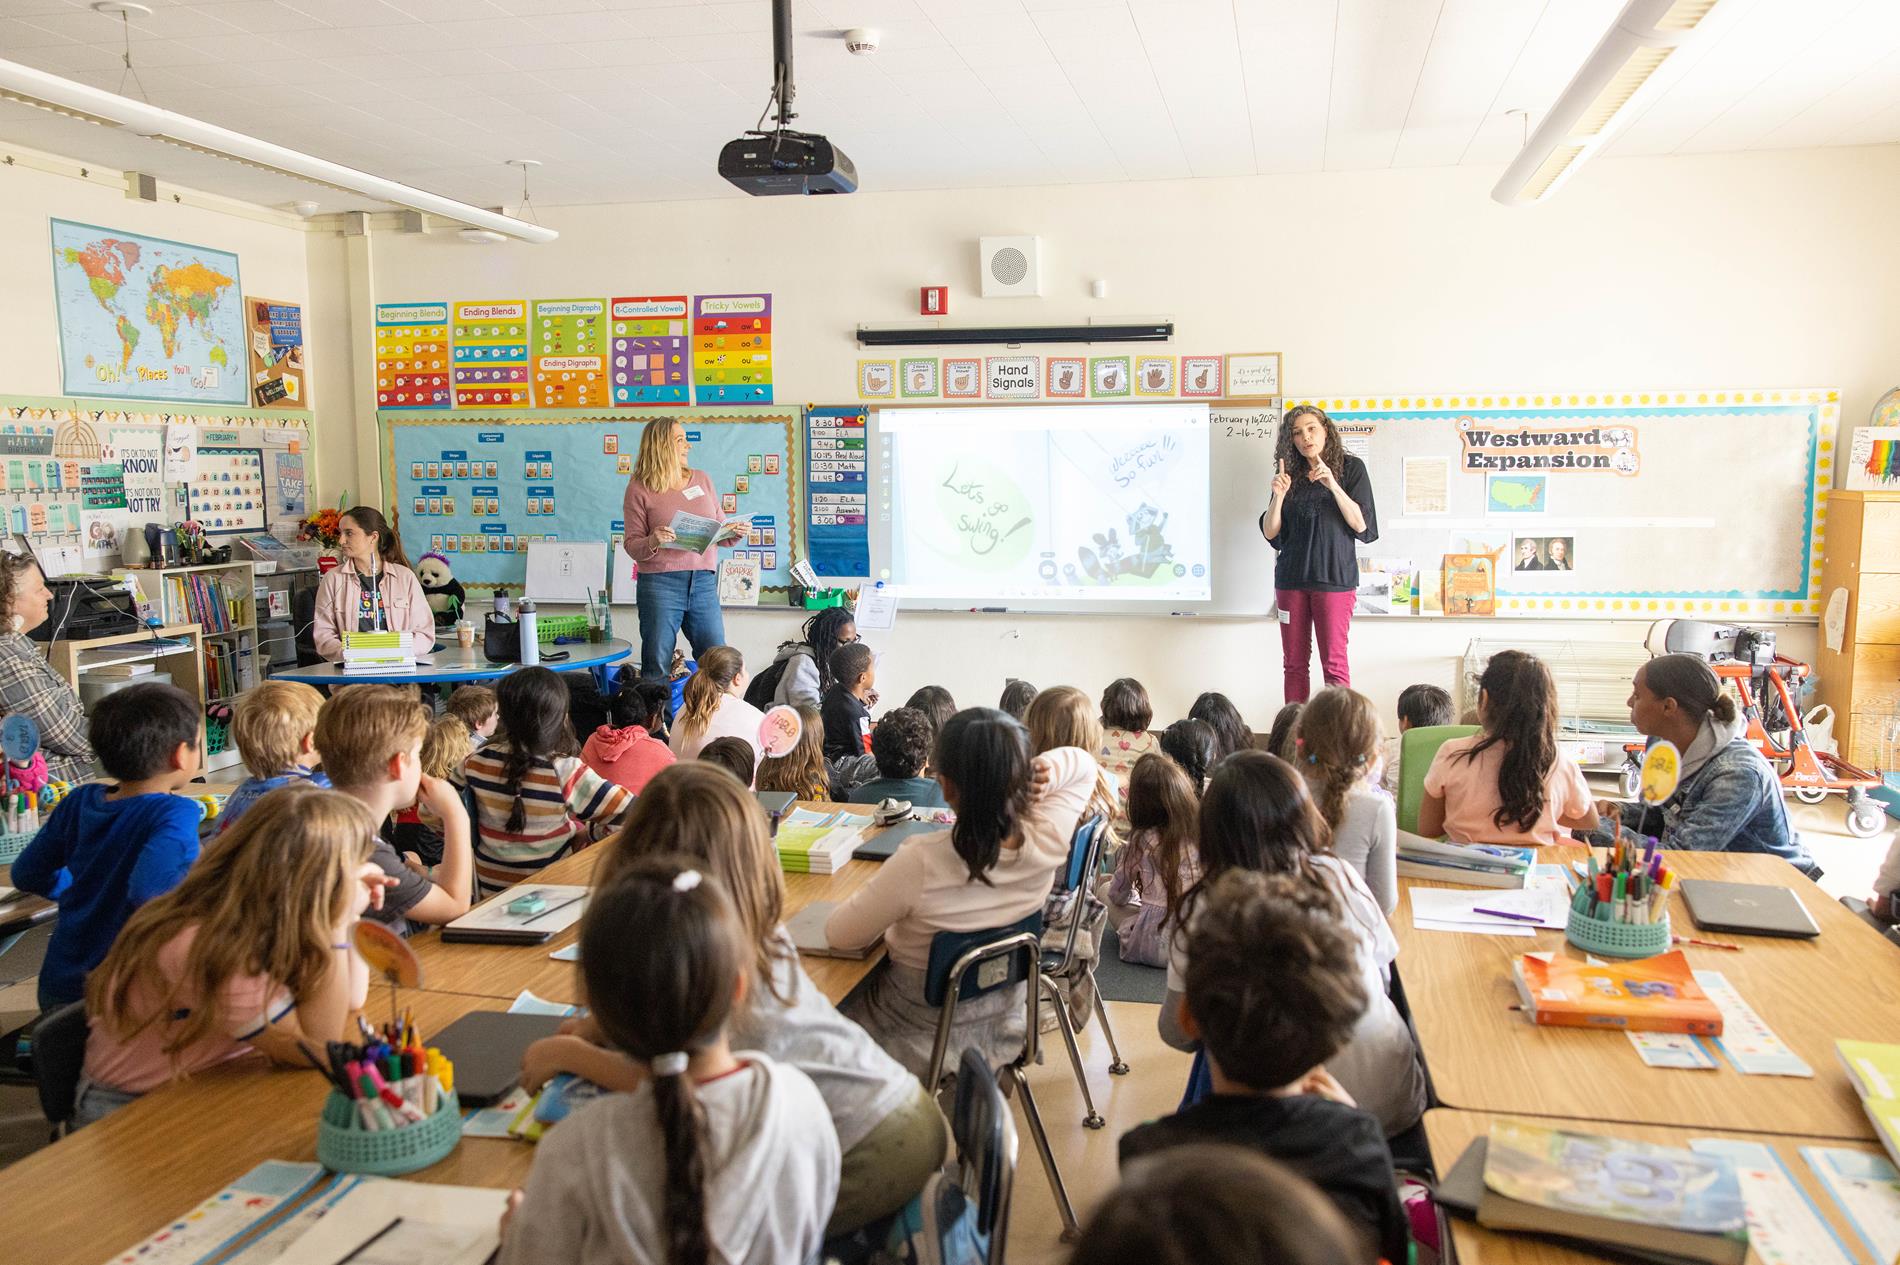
point(693, 493)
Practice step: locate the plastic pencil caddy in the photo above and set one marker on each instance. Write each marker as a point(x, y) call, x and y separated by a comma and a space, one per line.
point(1618, 939)
point(344, 1146)
point(12, 845)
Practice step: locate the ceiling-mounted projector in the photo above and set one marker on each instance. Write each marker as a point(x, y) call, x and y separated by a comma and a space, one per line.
point(782, 161)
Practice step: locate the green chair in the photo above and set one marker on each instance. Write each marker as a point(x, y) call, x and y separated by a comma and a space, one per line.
point(1417, 747)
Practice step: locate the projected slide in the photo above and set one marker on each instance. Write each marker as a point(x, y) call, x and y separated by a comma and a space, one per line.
point(1081, 502)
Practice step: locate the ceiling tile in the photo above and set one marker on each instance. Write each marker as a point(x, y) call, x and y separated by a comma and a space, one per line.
point(1744, 46)
point(1565, 33)
point(1472, 50)
point(1286, 53)
point(1838, 115)
point(1378, 55)
point(353, 13)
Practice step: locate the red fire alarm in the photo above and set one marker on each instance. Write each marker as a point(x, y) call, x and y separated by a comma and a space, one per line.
point(934, 300)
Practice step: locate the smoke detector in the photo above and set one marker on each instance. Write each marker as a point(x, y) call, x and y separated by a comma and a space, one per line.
point(481, 236)
point(304, 209)
point(862, 40)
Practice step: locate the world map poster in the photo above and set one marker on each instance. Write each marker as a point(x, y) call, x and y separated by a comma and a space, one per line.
point(143, 318)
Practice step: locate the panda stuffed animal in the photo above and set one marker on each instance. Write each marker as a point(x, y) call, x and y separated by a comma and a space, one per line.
point(439, 585)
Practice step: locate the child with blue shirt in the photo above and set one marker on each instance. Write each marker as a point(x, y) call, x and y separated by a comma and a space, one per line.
point(275, 730)
point(110, 847)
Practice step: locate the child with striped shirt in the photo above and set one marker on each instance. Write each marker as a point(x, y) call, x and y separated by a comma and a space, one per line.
point(535, 800)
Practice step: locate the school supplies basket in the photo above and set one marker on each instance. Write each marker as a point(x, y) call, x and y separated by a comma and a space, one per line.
point(11, 846)
point(1618, 939)
point(344, 1146)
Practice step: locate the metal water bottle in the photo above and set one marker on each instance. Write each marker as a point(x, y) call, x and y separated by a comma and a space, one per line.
point(530, 643)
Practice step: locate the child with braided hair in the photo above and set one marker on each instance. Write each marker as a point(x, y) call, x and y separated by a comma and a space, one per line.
point(1338, 748)
point(717, 1155)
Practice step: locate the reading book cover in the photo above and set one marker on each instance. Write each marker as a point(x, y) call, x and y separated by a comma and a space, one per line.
point(1657, 994)
point(1610, 1177)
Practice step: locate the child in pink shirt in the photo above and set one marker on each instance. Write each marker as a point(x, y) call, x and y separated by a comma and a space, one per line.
point(1509, 784)
point(252, 951)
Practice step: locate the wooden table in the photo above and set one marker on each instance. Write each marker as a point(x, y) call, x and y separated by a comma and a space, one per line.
point(1451, 1131)
point(498, 970)
point(1485, 1056)
point(110, 1185)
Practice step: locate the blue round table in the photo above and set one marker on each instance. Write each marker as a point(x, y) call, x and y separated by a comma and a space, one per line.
point(453, 664)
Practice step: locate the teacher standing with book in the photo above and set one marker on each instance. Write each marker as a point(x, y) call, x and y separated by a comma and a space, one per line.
point(1321, 507)
point(673, 530)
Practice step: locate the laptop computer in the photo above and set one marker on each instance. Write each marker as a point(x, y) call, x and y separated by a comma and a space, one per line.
point(881, 846)
point(486, 1047)
point(1754, 909)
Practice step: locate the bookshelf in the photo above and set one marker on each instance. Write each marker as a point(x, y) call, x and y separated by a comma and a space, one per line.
point(173, 648)
point(221, 599)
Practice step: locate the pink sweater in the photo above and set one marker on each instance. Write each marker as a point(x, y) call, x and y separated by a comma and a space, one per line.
point(404, 609)
point(925, 887)
point(646, 511)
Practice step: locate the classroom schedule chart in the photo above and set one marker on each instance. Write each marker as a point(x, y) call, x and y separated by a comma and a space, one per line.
point(837, 490)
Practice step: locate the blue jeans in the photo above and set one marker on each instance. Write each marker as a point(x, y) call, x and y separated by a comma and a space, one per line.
point(672, 601)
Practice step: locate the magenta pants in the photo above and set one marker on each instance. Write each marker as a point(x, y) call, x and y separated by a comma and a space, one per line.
point(1305, 614)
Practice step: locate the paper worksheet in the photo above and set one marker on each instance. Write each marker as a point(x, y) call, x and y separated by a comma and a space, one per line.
point(1784, 1226)
point(1427, 485)
point(1867, 1190)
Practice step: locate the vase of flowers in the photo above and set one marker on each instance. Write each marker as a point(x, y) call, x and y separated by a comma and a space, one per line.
point(323, 528)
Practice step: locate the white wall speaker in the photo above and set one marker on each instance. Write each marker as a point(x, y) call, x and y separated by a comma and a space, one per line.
point(1011, 267)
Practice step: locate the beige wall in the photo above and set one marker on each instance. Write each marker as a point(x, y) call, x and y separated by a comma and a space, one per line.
point(1765, 269)
point(270, 254)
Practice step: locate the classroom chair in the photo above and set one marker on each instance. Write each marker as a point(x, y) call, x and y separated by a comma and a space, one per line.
point(1085, 851)
point(965, 965)
point(1416, 749)
point(57, 1042)
point(1860, 909)
point(961, 1217)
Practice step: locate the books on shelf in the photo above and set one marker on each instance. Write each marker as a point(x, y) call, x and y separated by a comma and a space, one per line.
point(1467, 864)
point(215, 604)
point(811, 842)
point(125, 671)
point(1613, 1191)
point(1874, 1068)
point(1657, 994)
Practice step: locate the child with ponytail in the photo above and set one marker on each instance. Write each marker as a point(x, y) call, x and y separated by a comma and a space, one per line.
point(714, 706)
point(892, 1135)
point(1509, 784)
point(1339, 750)
point(1015, 817)
point(716, 1156)
point(536, 802)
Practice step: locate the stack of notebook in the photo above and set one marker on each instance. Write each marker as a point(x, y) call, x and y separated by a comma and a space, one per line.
point(810, 842)
point(376, 652)
point(1470, 865)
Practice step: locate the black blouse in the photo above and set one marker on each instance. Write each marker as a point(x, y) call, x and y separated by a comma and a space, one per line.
point(1315, 546)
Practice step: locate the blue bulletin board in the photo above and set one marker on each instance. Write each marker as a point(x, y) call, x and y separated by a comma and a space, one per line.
point(478, 490)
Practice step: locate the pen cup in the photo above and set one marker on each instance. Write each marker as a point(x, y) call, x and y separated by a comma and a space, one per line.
point(1618, 939)
point(344, 1146)
point(12, 845)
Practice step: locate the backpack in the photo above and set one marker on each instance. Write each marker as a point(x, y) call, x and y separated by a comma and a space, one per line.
point(762, 689)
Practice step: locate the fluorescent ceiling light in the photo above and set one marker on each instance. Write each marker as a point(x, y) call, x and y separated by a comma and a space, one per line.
point(80, 101)
point(1596, 101)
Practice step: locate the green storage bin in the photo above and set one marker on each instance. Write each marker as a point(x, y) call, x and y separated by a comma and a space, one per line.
point(344, 1146)
point(1618, 939)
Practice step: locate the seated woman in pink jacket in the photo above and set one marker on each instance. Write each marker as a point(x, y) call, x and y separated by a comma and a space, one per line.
point(372, 590)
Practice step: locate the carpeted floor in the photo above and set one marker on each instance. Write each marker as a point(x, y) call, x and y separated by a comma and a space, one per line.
point(1127, 981)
